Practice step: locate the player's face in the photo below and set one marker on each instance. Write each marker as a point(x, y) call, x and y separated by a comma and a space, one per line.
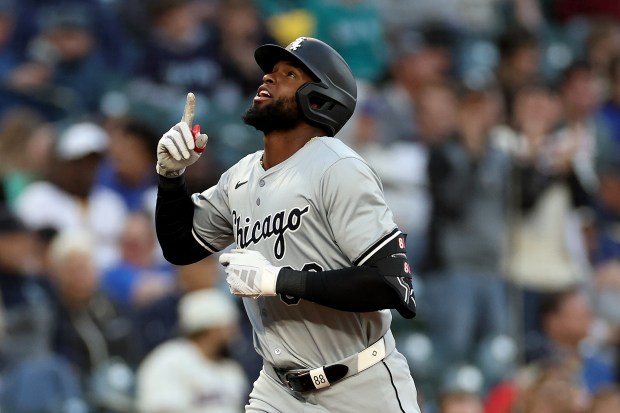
point(275, 107)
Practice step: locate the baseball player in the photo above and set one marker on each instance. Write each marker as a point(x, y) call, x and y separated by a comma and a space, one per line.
point(318, 261)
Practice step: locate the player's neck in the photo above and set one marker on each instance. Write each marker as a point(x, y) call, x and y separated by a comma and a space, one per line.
point(281, 145)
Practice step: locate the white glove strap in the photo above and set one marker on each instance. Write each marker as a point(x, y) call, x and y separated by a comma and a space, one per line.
point(269, 279)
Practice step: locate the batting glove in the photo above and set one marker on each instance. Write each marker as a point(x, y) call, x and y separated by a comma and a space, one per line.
point(249, 274)
point(182, 145)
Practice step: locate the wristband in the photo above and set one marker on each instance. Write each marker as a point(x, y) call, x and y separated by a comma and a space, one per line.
point(195, 133)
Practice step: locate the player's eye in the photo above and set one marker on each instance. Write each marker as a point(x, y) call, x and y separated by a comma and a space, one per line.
point(291, 74)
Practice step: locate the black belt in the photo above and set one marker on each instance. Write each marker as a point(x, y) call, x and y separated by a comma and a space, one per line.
point(305, 380)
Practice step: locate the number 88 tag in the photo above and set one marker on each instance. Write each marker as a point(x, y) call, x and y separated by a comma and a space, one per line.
point(319, 379)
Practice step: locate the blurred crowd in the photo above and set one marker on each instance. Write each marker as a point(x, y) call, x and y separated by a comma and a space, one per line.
point(494, 126)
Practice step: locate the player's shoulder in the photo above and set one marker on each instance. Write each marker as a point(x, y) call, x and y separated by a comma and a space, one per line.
point(338, 156)
point(242, 168)
point(330, 151)
point(334, 164)
point(335, 148)
point(247, 162)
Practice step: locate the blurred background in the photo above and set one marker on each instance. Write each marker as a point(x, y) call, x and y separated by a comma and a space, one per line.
point(493, 124)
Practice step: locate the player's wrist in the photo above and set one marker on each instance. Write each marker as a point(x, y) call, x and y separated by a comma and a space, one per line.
point(169, 173)
point(172, 184)
point(291, 282)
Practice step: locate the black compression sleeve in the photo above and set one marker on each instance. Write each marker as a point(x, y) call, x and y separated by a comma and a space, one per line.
point(356, 289)
point(174, 216)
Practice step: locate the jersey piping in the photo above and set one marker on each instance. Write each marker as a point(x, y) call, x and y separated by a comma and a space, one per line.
point(376, 247)
point(204, 243)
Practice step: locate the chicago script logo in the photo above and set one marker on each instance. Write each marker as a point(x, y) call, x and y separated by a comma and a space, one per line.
point(273, 225)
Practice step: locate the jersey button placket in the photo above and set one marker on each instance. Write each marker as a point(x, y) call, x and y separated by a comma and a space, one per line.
point(261, 183)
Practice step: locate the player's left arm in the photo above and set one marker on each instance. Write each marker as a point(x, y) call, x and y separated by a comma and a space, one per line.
point(383, 281)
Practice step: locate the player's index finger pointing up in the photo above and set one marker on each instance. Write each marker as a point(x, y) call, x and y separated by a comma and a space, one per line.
point(190, 109)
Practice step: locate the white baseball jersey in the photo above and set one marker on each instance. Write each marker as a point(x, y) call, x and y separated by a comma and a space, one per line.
point(321, 209)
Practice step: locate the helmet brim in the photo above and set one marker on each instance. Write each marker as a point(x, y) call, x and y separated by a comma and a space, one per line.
point(269, 54)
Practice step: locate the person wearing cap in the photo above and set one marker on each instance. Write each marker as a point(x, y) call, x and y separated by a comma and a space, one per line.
point(191, 373)
point(69, 198)
point(179, 52)
point(24, 294)
point(91, 332)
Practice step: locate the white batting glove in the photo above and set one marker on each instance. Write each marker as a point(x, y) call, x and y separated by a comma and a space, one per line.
point(182, 145)
point(249, 274)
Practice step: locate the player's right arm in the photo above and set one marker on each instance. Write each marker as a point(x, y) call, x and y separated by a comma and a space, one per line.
point(177, 149)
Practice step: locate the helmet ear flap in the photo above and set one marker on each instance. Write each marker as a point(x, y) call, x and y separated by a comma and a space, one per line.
point(321, 109)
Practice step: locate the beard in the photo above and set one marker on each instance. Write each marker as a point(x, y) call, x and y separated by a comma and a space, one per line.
point(280, 115)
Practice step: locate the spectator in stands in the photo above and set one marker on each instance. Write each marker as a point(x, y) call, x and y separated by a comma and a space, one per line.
point(66, 45)
point(419, 58)
point(8, 58)
point(63, 69)
point(605, 246)
point(355, 29)
point(401, 163)
point(551, 389)
point(459, 402)
point(91, 330)
point(610, 110)
point(461, 268)
point(158, 321)
point(26, 143)
point(127, 167)
point(7, 26)
point(179, 55)
point(68, 199)
point(545, 195)
point(583, 131)
point(605, 211)
point(567, 318)
point(142, 276)
point(24, 293)
point(606, 400)
point(110, 36)
point(519, 62)
point(240, 32)
point(192, 372)
point(602, 45)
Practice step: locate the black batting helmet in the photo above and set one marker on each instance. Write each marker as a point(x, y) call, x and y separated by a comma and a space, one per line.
point(333, 92)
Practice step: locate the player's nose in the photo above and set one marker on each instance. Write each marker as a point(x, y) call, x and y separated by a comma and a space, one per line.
point(268, 78)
